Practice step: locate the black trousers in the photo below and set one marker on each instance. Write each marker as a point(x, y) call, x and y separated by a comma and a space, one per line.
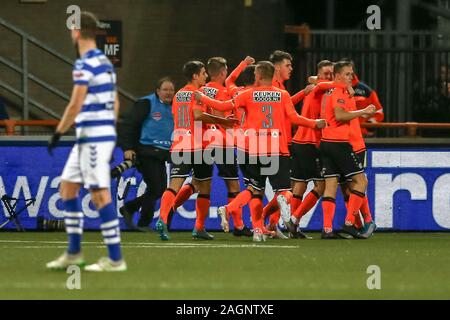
point(151, 163)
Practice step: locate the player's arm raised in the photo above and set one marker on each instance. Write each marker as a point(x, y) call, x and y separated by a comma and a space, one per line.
point(230, 82)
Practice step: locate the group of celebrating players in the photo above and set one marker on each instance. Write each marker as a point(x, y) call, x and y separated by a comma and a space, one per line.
point(221, 123)
point(257, 120)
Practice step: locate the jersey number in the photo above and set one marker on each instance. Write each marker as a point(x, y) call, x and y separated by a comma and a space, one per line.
point(268, 122)
point(184, 117)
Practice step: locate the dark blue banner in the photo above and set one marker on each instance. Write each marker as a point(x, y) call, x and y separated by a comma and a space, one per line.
point(409, 189)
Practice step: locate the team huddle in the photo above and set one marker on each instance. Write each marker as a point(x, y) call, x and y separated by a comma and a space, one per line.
point(246, 120)
point(256, 119)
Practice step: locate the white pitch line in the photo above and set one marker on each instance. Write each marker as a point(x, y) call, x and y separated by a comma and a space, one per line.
point(152, 244)
point(152, 247)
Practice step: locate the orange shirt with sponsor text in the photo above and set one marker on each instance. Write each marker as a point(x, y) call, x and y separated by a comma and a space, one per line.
point(217, 91)
point(265, 126)
point(187, 135)
point(288, 128)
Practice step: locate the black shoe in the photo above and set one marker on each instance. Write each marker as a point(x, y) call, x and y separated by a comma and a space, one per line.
point(351, 230)
point(145, 219)
point(128, 217)
point(303, 235)
point(143, 229)
point(299, 234)
point(329, 235)
point(242, 232)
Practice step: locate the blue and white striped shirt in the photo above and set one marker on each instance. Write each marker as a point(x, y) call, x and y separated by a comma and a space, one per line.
point(95, 122)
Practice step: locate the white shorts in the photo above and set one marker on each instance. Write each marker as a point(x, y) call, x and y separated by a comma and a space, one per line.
point(88, 164)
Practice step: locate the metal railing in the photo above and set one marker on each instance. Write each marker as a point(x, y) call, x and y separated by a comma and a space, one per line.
point(26, 75)
point(409, 71)
point(365, 39)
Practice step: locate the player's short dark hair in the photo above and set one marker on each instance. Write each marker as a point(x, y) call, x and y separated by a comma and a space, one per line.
point(346, 59)
point(338, 66)
point(192, 67)
point(88, 25)
point(278, 56)
point(215, 66)
point(247, 77)
point(266, 69)
point(160, 82)
point(324, 63)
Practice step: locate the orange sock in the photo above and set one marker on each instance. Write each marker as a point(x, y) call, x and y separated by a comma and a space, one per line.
point(242, 199)
point(274, 218)
point(328, 207)
point(183, 195)
point(354, 203)
point(365, 210)
point(202, 210)
point(271, 207)
point(307, 204)
point(236, 214)
point(256, 207)
point(167, 200)
point(296, 201)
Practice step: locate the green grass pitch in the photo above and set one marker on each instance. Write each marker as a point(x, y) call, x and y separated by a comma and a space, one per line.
point(413, 266)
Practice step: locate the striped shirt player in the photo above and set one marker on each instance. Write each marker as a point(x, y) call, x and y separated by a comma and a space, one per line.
point(89, 159)
point(93, 108)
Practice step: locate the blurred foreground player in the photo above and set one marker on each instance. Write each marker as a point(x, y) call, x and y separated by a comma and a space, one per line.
point(94, 106)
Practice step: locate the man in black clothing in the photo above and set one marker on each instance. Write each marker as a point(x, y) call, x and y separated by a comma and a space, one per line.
point(146, 137)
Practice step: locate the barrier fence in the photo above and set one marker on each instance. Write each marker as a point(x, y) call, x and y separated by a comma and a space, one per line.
point(411, 128)
point(409, 188)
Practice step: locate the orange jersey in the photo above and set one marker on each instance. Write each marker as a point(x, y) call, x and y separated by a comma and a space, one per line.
point(335, 131)
point(281, 86)
point(187, 135)
point(311, 109)
point(267, 109)
point(299, 96)
point(216, 91)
